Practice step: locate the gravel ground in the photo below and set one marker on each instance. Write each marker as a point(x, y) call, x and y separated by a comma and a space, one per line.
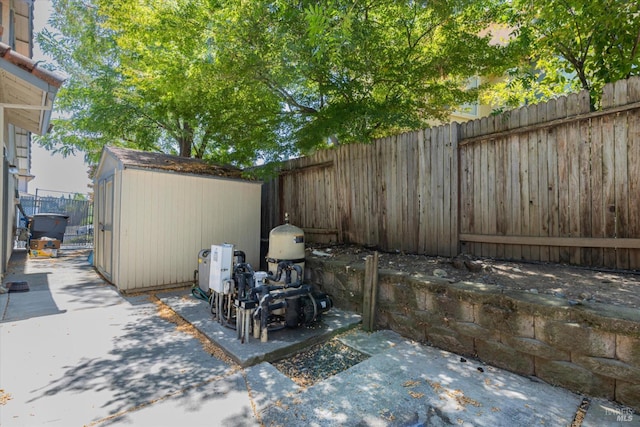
point(319, 362)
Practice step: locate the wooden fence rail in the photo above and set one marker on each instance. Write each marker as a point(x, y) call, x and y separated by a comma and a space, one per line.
point(546, 182)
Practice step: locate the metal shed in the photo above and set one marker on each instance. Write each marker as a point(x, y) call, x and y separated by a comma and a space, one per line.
point(155, 212)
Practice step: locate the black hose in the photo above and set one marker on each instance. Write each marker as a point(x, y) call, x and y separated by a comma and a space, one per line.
point(199, 293)
point(298, 270)
point(261, 290)
point(244, 266)
point(291, 292)
point(281, 304)
point(264, 312)
point(241, 255)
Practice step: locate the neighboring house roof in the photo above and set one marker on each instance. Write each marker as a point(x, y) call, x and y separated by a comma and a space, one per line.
point(26, 91)
point(165, 162)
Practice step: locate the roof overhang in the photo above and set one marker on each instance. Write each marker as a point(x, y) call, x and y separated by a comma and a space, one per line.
point(27, 92)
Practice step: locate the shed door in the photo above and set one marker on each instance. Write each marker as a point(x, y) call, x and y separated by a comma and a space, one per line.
point(105, 227)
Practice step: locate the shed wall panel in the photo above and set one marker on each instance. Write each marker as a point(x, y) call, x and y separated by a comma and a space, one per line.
point(107, 166)
point(117, 214)
point(166, 219)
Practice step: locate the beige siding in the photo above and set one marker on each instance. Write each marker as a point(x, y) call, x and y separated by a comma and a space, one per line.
point(117, 214)
point(165, 219)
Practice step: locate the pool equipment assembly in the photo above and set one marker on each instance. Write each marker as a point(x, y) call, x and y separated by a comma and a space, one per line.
point(257, 302)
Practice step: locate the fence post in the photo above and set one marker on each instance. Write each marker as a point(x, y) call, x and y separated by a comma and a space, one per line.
point(455, 245)
point(370, 292)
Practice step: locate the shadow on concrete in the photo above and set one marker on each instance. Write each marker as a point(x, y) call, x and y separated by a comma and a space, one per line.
point(26, 305)
point(223, 402)
point(149, 359)
point(37, 302)
point(412, 384)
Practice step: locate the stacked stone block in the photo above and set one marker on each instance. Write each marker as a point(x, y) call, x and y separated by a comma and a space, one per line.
point(591, 349)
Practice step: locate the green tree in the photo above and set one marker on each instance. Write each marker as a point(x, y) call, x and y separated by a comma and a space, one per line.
point(568, 45)
point(237, 81)
point(351, 71)
point(139, 77)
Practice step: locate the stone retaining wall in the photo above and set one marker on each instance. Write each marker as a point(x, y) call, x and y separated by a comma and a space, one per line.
point(592, 349)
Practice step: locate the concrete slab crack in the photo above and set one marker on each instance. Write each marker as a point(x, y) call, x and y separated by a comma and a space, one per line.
point(254, 407)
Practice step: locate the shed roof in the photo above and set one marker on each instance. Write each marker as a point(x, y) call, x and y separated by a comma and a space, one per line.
point(166, 162)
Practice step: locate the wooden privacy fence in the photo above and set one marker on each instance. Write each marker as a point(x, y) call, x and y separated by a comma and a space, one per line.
point(398, 193)
point(549, 182)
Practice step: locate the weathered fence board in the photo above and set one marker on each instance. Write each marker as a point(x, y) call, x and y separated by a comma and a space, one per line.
point(513, 192)
point(423, 192)
point(597, 205)
point(554, 190)
point(501, 191)
point(584, 192)
point(527, 116)
point(533, 201)
point(573, 142)
point(545, 111)
point(549, 182)
point(634, 184)
point(608, 194)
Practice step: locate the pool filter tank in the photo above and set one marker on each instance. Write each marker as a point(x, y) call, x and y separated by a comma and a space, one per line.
point(260, 301)
point(286, 243)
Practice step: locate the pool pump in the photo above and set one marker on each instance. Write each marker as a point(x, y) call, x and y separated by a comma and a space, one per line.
point(256, 302)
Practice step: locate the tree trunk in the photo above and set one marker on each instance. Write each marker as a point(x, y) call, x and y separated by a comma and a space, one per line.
point(185, 147)
point(186, 139)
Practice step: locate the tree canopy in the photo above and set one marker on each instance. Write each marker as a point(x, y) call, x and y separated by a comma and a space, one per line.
point(238, 81)
point(569, 45)
point(250, 81)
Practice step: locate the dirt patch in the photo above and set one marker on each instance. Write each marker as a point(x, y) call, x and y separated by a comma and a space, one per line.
point(319, 362)
point(577, 284)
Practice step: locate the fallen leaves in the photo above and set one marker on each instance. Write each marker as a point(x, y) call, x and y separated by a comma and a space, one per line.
point(456, 395)
point(437, 387)
point(411, 383)
point(4, 397)
point(182, 325)
point(414, 394)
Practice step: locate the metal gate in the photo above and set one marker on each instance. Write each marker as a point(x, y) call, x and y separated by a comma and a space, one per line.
point(79, 208)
